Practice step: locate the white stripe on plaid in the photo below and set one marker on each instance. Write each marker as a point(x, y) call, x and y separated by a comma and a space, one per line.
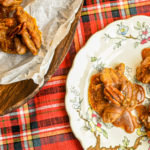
point(80, 34)
point(100, 16)
point(23, 127)
point(55, 82)
point(122, 9)
point(35, 132)
point(33, 110)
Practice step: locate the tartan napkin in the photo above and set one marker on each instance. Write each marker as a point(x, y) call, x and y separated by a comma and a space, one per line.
point(42, 123)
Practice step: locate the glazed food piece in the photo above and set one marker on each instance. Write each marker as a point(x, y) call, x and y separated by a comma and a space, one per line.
point(7, 3)
point(23, 35)
point(144, 117)
point(113, 97)
point(96, 94)
point(31, 35)
point(6, 43)
point(143, 75)
point(143, 71)
point(145, 53)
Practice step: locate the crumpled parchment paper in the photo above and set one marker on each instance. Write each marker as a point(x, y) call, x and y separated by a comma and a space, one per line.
point(54, 18)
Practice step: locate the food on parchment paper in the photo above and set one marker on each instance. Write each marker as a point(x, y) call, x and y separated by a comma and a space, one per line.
point(7, 3)
point(18, 33)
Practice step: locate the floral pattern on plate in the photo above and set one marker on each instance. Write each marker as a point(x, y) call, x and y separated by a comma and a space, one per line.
point(143, 36)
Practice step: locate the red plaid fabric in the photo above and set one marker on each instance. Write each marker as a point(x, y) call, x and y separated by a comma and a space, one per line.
point(42, 123)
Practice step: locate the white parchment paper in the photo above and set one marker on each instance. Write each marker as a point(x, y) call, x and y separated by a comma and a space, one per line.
point(54, 18)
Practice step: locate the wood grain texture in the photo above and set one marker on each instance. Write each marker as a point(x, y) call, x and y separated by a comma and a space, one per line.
point(14, 95)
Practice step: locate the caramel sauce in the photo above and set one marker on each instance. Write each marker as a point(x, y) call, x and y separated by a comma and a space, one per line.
point(127, 122)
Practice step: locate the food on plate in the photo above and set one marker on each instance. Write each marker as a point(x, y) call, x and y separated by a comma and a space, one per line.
point(143, 70)
point(18, 33)
point(144, 117)
point(143, 75)
point(113, 97)
point(7, 3)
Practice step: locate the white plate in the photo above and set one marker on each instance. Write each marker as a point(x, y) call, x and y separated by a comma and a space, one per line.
point(121, 41)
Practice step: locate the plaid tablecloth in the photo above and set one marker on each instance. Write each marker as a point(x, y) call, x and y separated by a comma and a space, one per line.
point(42, 123)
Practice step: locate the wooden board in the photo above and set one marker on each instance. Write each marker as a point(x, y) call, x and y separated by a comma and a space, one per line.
point(16, 94)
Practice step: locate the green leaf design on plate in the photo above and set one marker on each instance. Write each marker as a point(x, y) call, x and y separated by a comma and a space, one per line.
point(125, 141)
point(136, 28)
point(105, 134)
point(138, 24)
point(143, 25)
point(136, 44)
point(122, 148)
point(118, 44)
point(93, 59)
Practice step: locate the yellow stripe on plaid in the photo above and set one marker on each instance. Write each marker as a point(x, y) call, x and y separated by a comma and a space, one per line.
point(57, 78)
point(28, 130)
point(41, 135)
point(76, 41)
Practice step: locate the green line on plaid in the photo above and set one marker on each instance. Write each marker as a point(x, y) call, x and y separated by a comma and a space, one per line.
point(16, 140)
point(30, 143)
point(5, 132)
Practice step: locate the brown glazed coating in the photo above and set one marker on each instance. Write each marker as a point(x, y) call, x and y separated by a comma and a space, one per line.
point(144, 115)
point(23, 35)
point(143, 70)
point(113, 97)
point(7, 3)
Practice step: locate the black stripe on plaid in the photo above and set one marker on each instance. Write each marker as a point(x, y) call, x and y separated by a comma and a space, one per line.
point(133, 11)
point(61, 71)
point(57, 138)
point(52, 90)
point(85, 18)
point(53, 121)
point(15, 129)
point(17, 146)
point(36, 142)
point(115, 13)
point(143, 9)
